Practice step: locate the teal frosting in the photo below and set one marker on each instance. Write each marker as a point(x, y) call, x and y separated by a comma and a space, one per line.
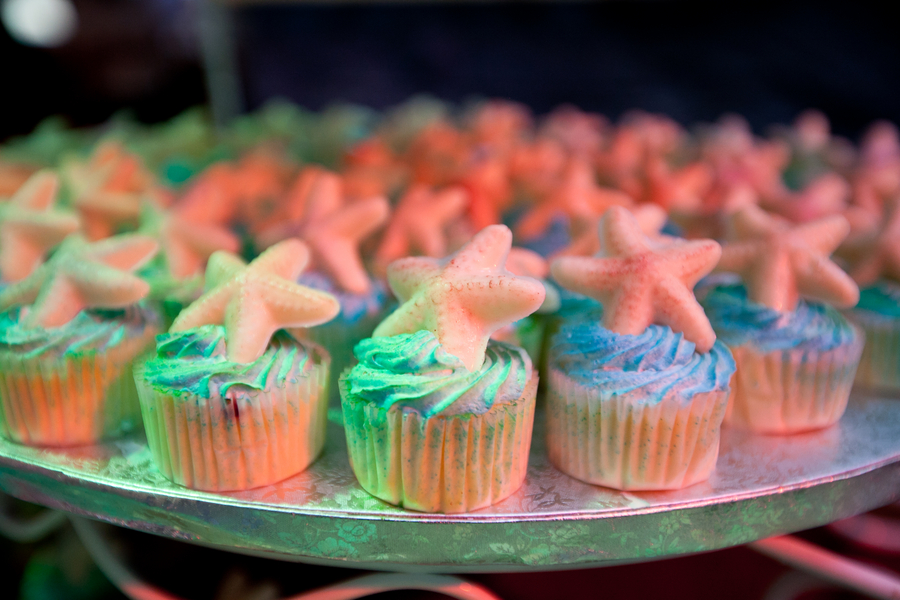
point(91, 331)
point(883, 299)
point(659, 362)
point(737, 320)
point(195, 361)
point(414, 370)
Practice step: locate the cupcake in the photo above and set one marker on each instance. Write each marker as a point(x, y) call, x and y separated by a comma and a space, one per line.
point(232, 400)
point(439, 417)
point(796, 355)
point(636, 401)
point(68, 337)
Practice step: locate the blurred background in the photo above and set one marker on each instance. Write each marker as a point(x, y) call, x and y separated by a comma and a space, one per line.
point(89, 61)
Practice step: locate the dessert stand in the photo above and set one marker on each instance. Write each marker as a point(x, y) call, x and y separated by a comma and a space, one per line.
point(763, 486)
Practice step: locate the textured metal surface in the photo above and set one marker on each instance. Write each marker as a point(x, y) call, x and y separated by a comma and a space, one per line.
point(762, 486)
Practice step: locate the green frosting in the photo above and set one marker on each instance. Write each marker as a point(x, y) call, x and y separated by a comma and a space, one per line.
point(195, 361)
point(91, 331)
point(414, 370)
point(883, 298)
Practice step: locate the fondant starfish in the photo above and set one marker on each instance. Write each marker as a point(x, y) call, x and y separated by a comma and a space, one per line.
point(256, 300)
point(640, 282)
point(30, 226)
point(333, 229)
point(82, 275)
point(419, 223)
point(650, 217)
point(578, 197)
point(462, 298)
point(779, 263)
point(186, 245)
point(527, 263)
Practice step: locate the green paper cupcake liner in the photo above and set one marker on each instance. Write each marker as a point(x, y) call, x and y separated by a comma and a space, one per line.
point(791, 391)
point(879, 365)
point(631, 442)
point(71, 400)
point(248, 439)
point(441, 464)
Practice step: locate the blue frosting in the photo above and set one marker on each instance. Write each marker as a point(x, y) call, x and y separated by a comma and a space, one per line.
point(882, 298)
point(353, 306)
point(737, 320)
point(658, 361)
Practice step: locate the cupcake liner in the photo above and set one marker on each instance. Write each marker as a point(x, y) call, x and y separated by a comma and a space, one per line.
point(629, 442)
point(71, 400)
point(793, 390)
point(247, 439)
point(441, 464)
point(879, 365)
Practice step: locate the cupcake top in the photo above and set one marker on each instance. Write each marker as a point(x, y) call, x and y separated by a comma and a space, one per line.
point(739, 320)
point(253, 301)
point(658, 360)
point(640, 282)
point(463, 298)
point(415, 371)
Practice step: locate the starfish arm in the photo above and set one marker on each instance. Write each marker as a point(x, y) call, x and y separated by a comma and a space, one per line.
point(487, 250)
point(407, 275)
point(448, 203)
point(56, 304)
point(819, 278)
point(205, 238)
point(114, 206)
point(19, 257)
point(620, 233)
point(527, 263)
point(594, 277)
point(603, 198)
point(752, 222)
point(739, 256)
point(463, 339)
point(221, 267)
point(286, 259)
point(824, 235)
point(48, 227)
point(340, 257)
point(25, 291)
point(208, 309)
point(394, 244)
point(677, 308)
point(428, 237)
point(181, 259)
point(409, 317)
point(651, 218)
point(248, 325)
point(325, 196)
point(359, 219)
point(127, 252)
point(537, 220)
point(498, 300)
point(628, 310)
point(293, 305)
point(102, 286)
point(39, 192)
point(692, 260)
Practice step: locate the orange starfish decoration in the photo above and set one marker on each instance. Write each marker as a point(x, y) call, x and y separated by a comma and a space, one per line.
point(82, 275)
point(639, 282)
point(419, 223)
point(333, 229)
point(578, 197)
point(30, 226)
point(256, 300)
point(779, 263)
point(463, 298)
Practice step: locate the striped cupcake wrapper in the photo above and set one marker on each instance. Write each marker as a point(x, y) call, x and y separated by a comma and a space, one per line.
point(252, 439)
point(71, 400)
point(629, 442)
point(791, 391)
point(441, 464)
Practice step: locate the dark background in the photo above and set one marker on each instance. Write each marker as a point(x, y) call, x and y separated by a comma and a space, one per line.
point(693, 60)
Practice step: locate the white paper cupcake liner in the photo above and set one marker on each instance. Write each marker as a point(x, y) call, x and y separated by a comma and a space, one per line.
point(879, 365)
point(791, 391)
point(441, 464)
point(629, 442)
point(248, 439)
point(71, 400)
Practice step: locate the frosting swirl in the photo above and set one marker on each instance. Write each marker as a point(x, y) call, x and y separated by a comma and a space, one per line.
point(195, 361)
point(659, 361)
point(92, 330)
point(414, 370)
point(738, 320)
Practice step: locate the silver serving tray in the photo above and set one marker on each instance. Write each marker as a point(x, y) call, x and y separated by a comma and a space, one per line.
point(762, 486)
